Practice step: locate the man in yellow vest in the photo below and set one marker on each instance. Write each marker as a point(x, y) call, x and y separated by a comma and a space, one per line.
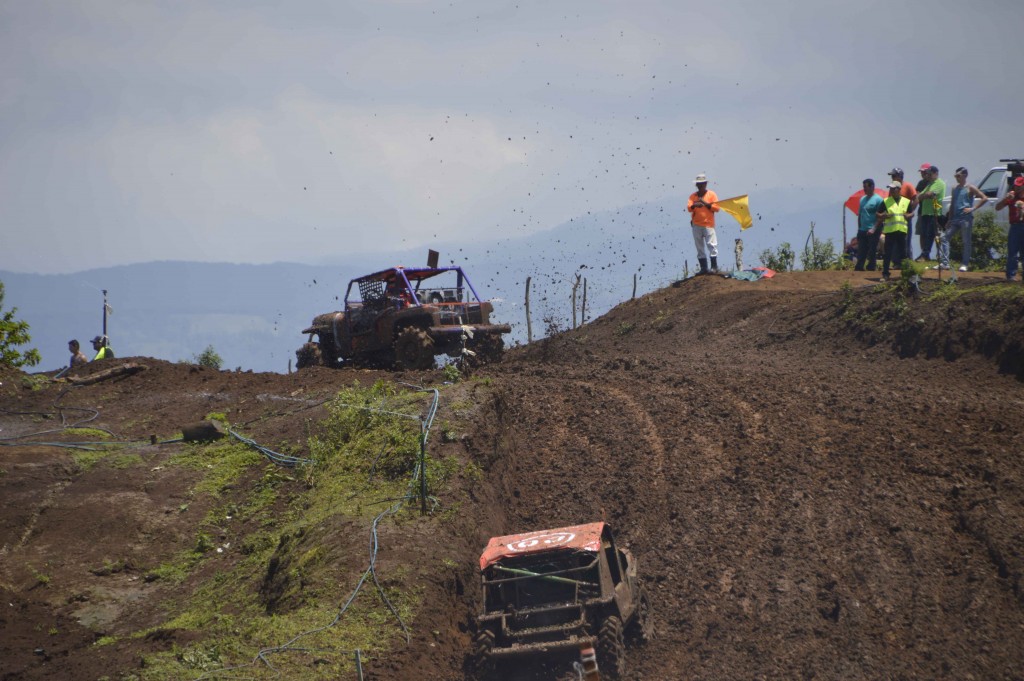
point(893, 213)
point(102, 347)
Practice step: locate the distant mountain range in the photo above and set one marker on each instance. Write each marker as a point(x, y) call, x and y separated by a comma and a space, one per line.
point(252, 315)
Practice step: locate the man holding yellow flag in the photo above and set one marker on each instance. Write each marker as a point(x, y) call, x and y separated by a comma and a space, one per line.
point(702, 207)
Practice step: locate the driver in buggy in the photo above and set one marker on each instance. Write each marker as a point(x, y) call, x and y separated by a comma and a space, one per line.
point(397, 294)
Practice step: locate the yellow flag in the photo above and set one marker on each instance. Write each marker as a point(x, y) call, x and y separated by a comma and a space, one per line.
point(739, 209)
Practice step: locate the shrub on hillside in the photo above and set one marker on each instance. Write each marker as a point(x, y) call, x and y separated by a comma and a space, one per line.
point(14, 333)
point(208, 358)
point(988, 244)
point(781, 260)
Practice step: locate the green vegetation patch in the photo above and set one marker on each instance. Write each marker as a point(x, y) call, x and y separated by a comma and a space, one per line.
point(88, 433)
point(222, 463)
point(304, 551)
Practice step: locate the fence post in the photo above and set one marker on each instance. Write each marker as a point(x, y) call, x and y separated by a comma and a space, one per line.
point(632, 297)
point(739, 255)
point(575, 285)
point(529, 327)
point(583, 308)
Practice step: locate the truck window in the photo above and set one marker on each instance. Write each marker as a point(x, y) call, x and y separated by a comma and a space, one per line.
point(990, 185)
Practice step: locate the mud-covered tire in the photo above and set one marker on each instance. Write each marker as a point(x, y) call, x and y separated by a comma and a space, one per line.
point(414, 349)
point(611, 648)
point(488, 348)
point(482, 663)
point(308, 356)
point(642, 629)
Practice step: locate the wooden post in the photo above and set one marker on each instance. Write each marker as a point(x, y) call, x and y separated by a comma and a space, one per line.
point(739, 255)
point(575, 285)
point(843, 250)
point(583, 308)
point(633, 297)
point(529, 327)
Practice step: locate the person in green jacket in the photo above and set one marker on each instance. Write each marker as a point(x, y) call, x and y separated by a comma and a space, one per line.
point(101, 344)
point(930, 199)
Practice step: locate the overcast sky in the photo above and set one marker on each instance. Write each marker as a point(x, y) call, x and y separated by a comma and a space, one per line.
point(267, 131)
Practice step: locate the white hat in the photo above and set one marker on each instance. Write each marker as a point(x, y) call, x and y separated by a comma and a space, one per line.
point(701, 178)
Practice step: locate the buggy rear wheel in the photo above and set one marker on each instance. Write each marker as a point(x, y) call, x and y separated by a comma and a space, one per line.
point(414, 349)
point(488, 349)
point(483, 644)
point(643, 628)
point(308, 356)
point(611, 648)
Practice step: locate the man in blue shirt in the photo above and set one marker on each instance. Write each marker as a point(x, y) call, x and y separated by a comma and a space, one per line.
point(961, 219)
point(867, 236)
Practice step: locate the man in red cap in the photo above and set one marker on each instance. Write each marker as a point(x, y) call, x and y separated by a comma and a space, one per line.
point(1015, 237)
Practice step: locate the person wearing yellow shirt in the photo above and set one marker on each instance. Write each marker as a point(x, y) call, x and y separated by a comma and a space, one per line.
point(893, 213)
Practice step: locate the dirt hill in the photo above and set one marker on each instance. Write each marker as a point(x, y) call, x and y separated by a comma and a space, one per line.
point(820, 475)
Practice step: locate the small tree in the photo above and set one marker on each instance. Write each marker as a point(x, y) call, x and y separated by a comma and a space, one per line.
point(781, 260)
point(208, 358)
point(12, 334)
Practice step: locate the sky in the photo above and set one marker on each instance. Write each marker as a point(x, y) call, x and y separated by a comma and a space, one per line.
point(255, 131)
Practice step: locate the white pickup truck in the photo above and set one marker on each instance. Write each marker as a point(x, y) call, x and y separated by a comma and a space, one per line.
point(994, 185)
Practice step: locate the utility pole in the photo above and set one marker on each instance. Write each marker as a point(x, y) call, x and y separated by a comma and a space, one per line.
point(105, 308)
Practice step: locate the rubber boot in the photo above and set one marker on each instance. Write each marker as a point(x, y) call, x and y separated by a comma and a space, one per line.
point(703, 266)
point(714, 265)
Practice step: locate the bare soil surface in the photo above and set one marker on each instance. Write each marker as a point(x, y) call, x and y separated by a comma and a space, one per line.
point(819, 482)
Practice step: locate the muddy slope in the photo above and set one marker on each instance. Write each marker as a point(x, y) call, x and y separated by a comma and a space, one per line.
point(819, 482)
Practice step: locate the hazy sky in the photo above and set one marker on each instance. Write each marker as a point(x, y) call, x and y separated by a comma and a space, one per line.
point(265, 131)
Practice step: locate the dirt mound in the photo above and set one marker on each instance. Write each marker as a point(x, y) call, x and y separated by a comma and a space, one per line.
point(818, 480)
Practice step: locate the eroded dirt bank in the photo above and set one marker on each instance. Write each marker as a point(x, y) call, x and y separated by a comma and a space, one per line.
point(818, 482)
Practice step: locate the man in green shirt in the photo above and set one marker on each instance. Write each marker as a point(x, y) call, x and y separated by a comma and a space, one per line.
point(931, 208)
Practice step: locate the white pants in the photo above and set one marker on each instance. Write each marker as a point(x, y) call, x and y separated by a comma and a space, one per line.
point(706, 240)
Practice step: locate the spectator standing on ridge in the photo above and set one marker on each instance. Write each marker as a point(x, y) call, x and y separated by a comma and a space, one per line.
point(931, 209)
point(867, 235)
point(78, 357)
point(961, 218)
point(702, 208)
point(921, 184)
point(909, 192)
point(894, 215)
point(1015, 237)
point(101, 344)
